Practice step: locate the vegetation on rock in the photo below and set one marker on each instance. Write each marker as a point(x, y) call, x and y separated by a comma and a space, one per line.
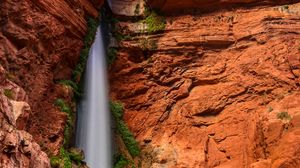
point(155, 22)
point(9, 93)
point(120, 161)
point(65, 159)
point(284, 116)
point(122, 129)
point(88, 41)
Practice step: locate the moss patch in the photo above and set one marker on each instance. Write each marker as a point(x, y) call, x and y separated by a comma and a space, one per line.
point(120, 161)
point(88, 41)
point(65, 159)
point(155, 22)
point(9, 93)
point(284, 116)
point(122, 129)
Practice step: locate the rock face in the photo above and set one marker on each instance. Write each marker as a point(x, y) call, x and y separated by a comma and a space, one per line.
point(18, 148)
point(40, 43)
point(215, 90)
point(208, 5)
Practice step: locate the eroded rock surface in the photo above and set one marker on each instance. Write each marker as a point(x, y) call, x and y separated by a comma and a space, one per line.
point(18, 149)
point(40, 43)
point(208, 5)
point(215, 90)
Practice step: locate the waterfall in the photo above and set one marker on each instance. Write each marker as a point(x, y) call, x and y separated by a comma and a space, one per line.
point(93, 123)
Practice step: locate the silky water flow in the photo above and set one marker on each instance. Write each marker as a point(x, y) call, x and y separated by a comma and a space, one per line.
point(93, 123)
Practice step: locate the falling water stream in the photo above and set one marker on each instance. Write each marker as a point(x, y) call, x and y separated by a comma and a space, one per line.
point(93, 125)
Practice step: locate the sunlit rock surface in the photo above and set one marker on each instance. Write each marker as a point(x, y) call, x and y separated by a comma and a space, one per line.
point(218, 89)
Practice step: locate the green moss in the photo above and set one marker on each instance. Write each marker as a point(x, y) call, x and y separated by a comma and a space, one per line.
point(111, 55)
point(73, 85)
point(63, 106)
point(55, 162)
point(77, 158)
point(65, 156)
point(70, 120)
point(155, 22)
point(122, 129)
point(9, 93)
point(117, 110)
point(120, 161)
point(88, 41)
point(284, 116)
point(65, 159)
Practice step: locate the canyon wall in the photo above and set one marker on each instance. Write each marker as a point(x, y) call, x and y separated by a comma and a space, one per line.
point(217, 89)
point(40, 43)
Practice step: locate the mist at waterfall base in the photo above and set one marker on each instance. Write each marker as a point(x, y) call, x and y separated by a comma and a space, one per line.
point(93, 133)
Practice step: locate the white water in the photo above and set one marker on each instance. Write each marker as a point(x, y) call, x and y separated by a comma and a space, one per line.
point(93, 126)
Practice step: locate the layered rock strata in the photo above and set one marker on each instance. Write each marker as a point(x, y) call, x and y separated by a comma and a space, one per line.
point(218, 89)
point(40, 44)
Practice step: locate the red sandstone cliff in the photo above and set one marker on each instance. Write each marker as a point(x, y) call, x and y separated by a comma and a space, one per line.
point(220, 89)
point(40, 42)
point(208, 95)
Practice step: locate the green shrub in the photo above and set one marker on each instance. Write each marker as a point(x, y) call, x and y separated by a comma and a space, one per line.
point(122, 129)
point(155, 23)
point(117, 110)
point(55, 162)
point(65, 158)
point(9, 93)
point(63, 106)
point(76, 158)
point(284, 116)
point(120, 161)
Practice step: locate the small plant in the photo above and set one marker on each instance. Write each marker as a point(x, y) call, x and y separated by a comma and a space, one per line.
point(120, 161)
point(62, 105)
point(9, 93)
point(69, 126)
point(55, 162)
point(286, 7)
point(122, 129)
point(270, 109)
point(73, 85)
point(65, 158)
point(155, 23)
point(146, 44)
point(284, 116)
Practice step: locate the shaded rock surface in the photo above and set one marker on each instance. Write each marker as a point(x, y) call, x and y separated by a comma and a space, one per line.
point(217, 90)
point(208, 5)
point(40, 43)
point(18, 149)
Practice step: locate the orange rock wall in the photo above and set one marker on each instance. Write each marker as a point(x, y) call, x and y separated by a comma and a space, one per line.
point(212, 90)
point(175, 6)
